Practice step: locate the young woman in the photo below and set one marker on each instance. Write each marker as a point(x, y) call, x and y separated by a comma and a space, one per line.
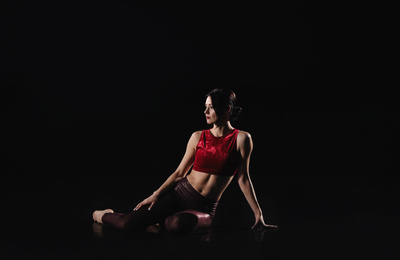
point(186, 202)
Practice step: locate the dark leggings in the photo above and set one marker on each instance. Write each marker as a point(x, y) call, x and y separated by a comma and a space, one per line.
point(182, 209)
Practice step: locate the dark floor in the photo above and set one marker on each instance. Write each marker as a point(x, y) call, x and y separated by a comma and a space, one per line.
point(53, 220)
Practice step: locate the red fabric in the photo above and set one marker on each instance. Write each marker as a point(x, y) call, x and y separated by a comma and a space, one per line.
point(217, 155)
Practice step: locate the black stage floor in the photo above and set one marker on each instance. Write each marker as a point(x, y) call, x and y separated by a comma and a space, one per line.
point(53, 220)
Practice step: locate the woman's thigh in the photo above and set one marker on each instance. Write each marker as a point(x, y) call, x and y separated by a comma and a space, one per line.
point(142, 218)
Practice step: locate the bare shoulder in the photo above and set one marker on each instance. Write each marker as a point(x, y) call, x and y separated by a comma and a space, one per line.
point(194, 139)
point(243, 136)
point(244, 143)
point(196, 134)
point(244, 139)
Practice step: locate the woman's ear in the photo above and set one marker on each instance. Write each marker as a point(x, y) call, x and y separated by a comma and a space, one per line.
point(228, 111)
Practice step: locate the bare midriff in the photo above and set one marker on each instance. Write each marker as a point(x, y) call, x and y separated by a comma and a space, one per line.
point(209, 185)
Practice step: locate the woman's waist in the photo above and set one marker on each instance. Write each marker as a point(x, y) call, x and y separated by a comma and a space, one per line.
point(209, 186)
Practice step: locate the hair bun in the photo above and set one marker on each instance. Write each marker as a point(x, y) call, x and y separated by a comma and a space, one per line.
point(236, 112)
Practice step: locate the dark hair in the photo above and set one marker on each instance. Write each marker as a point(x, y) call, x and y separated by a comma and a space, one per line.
point(222, 100)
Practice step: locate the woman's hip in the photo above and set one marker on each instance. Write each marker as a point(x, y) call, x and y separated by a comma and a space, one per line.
point(190, 198)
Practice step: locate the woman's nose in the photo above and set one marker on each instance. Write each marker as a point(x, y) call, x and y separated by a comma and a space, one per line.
point(206, 111)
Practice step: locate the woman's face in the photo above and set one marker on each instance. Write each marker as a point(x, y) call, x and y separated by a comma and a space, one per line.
point(211, 116)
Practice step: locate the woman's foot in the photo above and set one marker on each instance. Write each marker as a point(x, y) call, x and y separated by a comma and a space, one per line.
point(98, 214)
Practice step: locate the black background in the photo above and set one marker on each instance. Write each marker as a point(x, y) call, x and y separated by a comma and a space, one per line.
point(103, 95)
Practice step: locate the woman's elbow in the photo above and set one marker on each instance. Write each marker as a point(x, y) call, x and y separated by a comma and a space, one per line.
point(243, 180)
point(179, 174)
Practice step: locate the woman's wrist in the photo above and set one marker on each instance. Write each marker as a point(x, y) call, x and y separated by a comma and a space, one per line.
point(156, 193)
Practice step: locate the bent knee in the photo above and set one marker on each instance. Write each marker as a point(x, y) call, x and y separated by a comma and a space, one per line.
point(187, 221)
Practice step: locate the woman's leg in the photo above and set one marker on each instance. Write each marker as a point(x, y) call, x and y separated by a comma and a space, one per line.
point(142, 218)
point(199, 209)
point(187, 221)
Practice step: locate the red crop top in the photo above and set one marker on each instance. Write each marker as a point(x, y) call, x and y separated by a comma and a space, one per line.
point(217, 155)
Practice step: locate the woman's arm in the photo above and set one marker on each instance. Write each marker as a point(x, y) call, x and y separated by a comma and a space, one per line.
point(180, 172)
point(246, 147)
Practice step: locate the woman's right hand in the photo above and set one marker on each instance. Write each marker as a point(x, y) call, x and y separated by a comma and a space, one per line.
point(150, 200)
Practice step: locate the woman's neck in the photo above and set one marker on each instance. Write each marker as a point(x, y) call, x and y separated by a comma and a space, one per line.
point(222, 129)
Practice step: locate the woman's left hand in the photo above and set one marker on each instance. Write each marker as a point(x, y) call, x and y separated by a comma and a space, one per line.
point(260, 224)
point(149, 201)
